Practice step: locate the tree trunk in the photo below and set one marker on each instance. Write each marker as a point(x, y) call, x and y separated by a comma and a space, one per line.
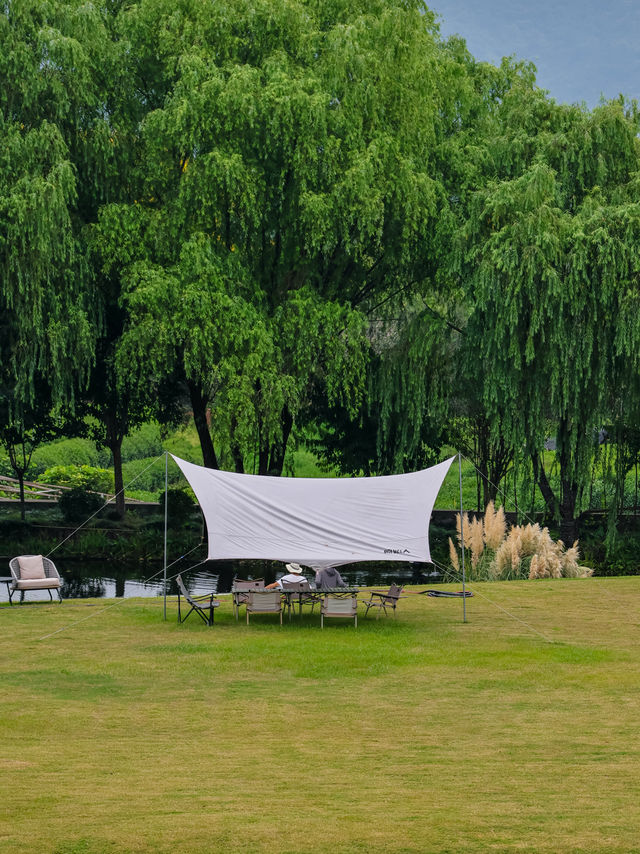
point(277, 455)
point(568, 493)
point(20, 468)
point(199, 406)
point(23, 507)
point(238, 459)
point(236, 450)
point(548, 494)
point(115, 446)
point(568, 521)
point(115, 431)
point(483, 462)
point(263, 461)
point(492, 460)
point(565, 509)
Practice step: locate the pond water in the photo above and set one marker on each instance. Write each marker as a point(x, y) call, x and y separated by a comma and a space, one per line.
point(98, 579)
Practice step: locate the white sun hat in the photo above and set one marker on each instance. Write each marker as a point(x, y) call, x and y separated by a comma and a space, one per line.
point(295, 568)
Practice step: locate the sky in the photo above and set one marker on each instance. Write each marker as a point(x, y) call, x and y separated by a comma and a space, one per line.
point(583, 49)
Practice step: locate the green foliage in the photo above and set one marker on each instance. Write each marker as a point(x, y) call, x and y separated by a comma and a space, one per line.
point(68, 452)
point(184, 443)
point(312, 219)
point(50, 53)
point(180, 505)
point(143, 442)
point(148, 474)
point(77, 504)
point(547, 254)
point(305, 464)
point(283, 193)
point(449, 496)
point(87, 477)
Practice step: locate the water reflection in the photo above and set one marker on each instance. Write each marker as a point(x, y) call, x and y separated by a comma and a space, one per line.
point(82, 580)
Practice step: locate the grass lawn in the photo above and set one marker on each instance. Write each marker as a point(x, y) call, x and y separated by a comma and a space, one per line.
point(515, 731)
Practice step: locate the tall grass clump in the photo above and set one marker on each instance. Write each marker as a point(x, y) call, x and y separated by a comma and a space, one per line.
point(522, 551)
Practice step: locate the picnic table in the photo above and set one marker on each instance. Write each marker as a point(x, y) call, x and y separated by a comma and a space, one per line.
point(291, 593)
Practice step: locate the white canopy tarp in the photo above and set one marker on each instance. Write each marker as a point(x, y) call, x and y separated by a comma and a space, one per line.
point(316, 521)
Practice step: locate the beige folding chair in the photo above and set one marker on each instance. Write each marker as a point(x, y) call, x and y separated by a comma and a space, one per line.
point(240, 592)
point(339, 606)
point(381, 600)
point(300, 592)
point(264, 602)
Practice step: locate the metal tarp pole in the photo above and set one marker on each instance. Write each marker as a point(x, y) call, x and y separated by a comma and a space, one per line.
point(464, 592)
point(164, 586)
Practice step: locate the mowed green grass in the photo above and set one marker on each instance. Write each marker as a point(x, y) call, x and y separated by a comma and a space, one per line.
point(517, 731)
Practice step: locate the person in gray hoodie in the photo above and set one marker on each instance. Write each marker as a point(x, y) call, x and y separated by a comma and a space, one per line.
point(328, 578)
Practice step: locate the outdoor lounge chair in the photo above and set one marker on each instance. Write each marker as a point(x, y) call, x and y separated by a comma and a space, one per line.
point(33, 572)
point(381, 600)
point(264, 602)
point(202, 605)
point(339, 606)
point(240, 591)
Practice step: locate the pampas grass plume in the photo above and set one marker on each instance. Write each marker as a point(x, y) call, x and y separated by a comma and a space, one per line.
point(453, 556)
point(502, 560)
point(495, 526)
point(529, 539)
point(466, 532)
point(477, 541)
point(515, 556)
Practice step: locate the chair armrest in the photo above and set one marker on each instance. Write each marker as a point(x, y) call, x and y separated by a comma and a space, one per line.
point(50, 570)
point(204, 597)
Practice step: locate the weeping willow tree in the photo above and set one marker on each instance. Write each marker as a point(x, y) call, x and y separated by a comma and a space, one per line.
point(290, 187)
point(550, 265)
point(69, 118)
point(44, 327)
point(424, 383)
point(529, 321)
point(46, 332)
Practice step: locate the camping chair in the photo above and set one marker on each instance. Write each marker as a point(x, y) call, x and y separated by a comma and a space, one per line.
point(301, 592)
point(380, 600)
point(202, 605)
point(240, 592)
point(33, 572)
point(264, 602)
point(339, 606)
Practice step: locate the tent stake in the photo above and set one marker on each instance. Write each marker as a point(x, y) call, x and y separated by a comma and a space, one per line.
point(164, 585)
point(464, 594)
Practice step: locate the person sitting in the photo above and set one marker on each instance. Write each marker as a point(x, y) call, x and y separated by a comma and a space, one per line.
point(294, 576)
point(328, 578)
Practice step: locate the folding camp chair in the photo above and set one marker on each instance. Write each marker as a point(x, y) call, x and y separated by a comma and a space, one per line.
point(202, 605)
point(264, 602)
point(301, 593)
point(339, 606)
point(380, 600)
point(240, 592)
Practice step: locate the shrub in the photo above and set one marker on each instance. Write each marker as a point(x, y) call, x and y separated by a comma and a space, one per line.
point(88, 477)
point(147, 474)
point(526, 551)
point(77, 505)
point(142, 443)
point(180, 506)
point(65, 452)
